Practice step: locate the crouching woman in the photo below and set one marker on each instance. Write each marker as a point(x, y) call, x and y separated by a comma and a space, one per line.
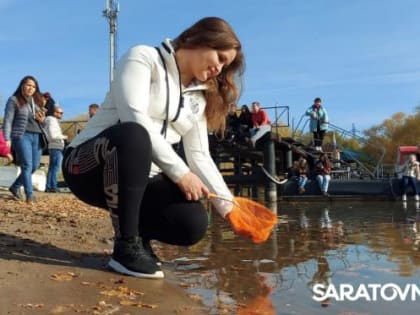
point(124, 160)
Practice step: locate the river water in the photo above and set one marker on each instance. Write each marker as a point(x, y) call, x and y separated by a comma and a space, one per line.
point(372, 248)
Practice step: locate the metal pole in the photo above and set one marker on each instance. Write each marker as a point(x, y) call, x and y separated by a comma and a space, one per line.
point(289, 159)
point(111, 13)
point(270, 166)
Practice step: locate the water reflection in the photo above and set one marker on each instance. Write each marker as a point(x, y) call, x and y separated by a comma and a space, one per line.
point(313, 243)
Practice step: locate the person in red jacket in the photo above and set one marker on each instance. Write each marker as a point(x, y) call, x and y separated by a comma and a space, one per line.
point(259, 116)
point(4, 148)
point(261, 123)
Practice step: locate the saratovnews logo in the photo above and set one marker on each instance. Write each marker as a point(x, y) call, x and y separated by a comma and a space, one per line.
point(366, 292)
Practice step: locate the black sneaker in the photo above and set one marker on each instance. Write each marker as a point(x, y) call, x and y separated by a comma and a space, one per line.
point(16, 193)
point(148, 248)
point(130, 258)
point(52, 190)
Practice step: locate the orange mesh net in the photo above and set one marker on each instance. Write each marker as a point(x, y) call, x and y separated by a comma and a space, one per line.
point(261, 305)
point(250, 219)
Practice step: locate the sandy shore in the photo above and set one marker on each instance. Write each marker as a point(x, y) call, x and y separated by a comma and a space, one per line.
point(53, 258)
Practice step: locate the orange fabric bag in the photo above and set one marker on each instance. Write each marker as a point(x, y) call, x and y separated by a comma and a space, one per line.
point(250, 218)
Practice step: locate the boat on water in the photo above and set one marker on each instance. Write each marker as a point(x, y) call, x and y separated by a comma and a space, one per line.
point(346, 183)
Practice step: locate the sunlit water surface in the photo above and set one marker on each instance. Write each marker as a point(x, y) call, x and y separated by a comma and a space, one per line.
point(334, 243)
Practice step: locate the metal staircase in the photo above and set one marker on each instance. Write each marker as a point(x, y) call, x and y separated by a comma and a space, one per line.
point(355, 168)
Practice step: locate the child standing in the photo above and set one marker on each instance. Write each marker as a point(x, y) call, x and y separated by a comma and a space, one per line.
point(5, 148)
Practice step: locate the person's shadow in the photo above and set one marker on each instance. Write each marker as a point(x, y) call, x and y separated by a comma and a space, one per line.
point(13, 247)
point(23, 249)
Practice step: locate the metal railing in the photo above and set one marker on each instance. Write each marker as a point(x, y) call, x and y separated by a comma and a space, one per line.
point(72, 127)
point(281, 118)
point(378, 168)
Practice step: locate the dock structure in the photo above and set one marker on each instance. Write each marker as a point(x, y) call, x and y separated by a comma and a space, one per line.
point(263, 168)
point(243, 166)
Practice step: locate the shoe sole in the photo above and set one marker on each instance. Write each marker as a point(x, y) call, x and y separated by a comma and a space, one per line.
point(116, 266)
point(16, 196)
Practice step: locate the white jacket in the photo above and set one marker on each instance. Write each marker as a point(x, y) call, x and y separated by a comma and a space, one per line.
point(139, 94)
point(411, 169)
point(54, 134)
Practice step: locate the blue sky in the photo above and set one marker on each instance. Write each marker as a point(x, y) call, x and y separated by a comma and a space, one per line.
point(362, 57)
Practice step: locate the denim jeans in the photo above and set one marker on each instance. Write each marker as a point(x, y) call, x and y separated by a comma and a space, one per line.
point(28, 156)
point(409, 180)
point(301, 181)
point(323, 181)
point(56, 156)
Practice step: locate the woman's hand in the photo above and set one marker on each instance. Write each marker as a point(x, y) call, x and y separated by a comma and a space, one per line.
point(40, 116)
point(192, 186)
point(9, 144)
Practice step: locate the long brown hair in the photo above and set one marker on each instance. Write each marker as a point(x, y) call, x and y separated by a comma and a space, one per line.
point(21, 100)
point(216, 33)
point(325, 160)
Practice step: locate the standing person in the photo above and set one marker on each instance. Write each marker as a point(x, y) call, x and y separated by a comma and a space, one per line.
point(5, 149)
point(55, 147)
point(318, 124)
point(124, 160)
point(323, 169)
point(23, 118)
point(411, 173)
point(93, 108)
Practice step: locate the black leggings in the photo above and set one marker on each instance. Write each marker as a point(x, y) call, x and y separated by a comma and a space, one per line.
point(111, 171)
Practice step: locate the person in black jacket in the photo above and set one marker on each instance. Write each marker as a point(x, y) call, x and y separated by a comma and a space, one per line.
point(49, 104)
point(245, 122)
point(232, 124)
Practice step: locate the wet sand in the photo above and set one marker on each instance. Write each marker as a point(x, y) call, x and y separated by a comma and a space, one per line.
point(53, 258)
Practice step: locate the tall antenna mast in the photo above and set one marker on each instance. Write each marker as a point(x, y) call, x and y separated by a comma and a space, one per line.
point(111, 14)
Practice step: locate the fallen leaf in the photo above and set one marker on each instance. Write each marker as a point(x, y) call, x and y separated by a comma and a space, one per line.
point(87, 283)
point(237, 268)
point(30, 305)
point(117, 281)
point(137, 304)
point(63, 276)
point(122, 293)
point(59, 309)
point(195, 297)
